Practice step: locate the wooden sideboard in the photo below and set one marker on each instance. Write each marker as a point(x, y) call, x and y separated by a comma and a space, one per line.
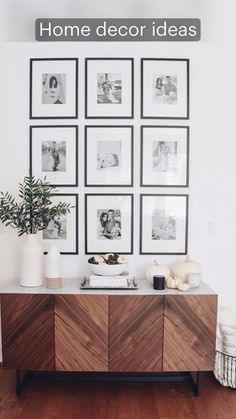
point(139, 331)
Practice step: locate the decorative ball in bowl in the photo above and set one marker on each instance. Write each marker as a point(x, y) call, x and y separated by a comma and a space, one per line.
point(109, 264)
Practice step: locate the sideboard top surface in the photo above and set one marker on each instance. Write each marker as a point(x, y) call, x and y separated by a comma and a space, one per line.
point(71, 287)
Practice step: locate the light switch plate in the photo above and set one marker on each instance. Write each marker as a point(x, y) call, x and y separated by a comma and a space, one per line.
point(211, 227)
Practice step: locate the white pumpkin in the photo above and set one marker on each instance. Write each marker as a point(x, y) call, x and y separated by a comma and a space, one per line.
point(156, 269)
point(184, 268)
point(173, 282)
point(183, 287)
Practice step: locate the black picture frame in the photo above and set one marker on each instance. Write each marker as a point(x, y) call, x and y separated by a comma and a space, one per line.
point(75, 115)
point(186, 117)
point(87, 116)
point(32, 127)
point(186, 184)
point(131, 195)
point(76, 251)
point(142, 196)
point(86, 128)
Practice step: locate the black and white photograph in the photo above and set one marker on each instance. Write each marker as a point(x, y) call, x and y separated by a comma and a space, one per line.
point(165, 88)
point(56, 229)
point(109, 155)
point(165, 156)
point(164, 224)
point(53, 88)
point(63, 229)
point(109, 87)
point(109, 223)
point(54, 154)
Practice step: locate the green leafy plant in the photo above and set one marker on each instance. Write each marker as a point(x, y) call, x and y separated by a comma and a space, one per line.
point(35, 210)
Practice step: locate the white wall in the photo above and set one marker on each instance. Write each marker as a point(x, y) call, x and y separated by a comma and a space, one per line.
point(212, 150)
point(17, 18)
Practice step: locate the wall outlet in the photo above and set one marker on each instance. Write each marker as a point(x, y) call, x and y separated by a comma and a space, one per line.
point(211, 227)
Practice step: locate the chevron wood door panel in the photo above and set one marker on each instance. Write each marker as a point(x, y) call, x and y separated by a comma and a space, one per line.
point(28, 331)
point(136, 330)
point(189, 332)
point(81, 332)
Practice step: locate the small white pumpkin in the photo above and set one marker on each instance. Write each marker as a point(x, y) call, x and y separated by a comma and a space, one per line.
point(183, 287)
point(123, 259)
point(173, 282)
point(99, 259)
point(184, 268)
point(156, 269)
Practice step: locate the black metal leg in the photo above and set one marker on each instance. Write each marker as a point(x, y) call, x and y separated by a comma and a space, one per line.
point(194, 377)
point(196, 382)
point(21, 377)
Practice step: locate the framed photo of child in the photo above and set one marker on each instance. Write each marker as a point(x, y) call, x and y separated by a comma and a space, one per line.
point(163, 224)
point(109, 223)
point(63, 229)
point(109, 86)
point(164, 88)
point(109, 155)
point(164, 156)
point(54, 154)
point(53, 88)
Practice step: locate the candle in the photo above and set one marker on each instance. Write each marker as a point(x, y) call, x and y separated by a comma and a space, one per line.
point(158, 282)
point(194, 280)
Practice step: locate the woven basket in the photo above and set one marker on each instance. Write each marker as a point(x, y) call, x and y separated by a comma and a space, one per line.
point(225, 369)
point(225, 363)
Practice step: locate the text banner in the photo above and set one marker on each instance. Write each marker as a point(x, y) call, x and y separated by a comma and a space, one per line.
point(120, 30)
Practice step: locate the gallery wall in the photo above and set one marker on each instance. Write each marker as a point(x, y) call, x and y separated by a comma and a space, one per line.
point(212, 187)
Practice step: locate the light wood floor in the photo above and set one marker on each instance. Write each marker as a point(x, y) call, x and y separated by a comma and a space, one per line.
point(54, 398)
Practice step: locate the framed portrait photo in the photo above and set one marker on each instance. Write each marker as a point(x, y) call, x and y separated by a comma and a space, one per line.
point(54, 154)
point(63, 229)
point(109, 223)
point(109, 155)
point(164, 224)
point(165, 88)
point(53, 88)
point(109, 87)
point(165, 156)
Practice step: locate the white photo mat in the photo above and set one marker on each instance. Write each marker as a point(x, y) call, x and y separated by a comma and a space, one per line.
point(122, 67)
point(67, 241)
point(175, 172)
point(66, 67)
point(115, 144)
point(43, 136)
point(172, 206)
point(95, 244)
point(152, 69)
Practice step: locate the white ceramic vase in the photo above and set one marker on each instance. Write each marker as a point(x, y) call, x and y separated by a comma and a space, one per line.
point(53, 267)
point(31, 263)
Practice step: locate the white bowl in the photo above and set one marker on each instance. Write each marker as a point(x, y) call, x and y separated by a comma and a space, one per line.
point(108, 269)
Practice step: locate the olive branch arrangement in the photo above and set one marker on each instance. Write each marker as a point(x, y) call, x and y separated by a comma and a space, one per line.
point(35, 210)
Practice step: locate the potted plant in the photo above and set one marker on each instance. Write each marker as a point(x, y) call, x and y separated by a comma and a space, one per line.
point(29, 216)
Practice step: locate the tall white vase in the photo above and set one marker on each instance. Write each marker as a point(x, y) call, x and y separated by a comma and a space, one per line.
point(53, 267)
point(31, 263)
